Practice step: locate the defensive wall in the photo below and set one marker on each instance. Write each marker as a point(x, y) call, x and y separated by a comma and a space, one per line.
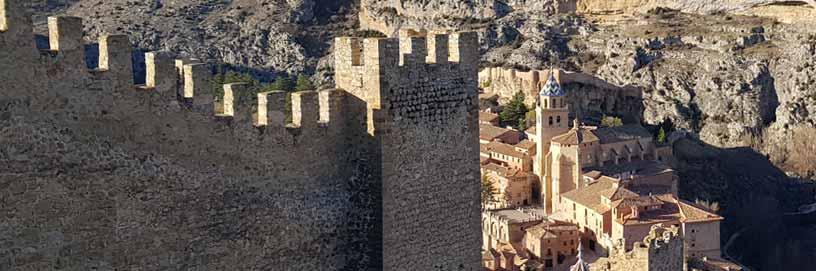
point(97, 172)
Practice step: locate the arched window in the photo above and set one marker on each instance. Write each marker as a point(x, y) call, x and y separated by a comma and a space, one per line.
point(551, 121)
point(545, 103)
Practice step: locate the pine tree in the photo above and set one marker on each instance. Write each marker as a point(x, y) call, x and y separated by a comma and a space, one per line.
point(514, 112)
point(283, 83)
point(304, 83)
point(661, 136)
point(488, 191)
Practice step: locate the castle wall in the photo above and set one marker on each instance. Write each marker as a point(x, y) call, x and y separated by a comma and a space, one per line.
point(100, 173)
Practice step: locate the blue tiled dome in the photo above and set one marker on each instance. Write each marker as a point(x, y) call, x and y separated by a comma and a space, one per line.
point(552, 88)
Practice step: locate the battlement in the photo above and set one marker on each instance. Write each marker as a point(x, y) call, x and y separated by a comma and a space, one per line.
point(3, 20)
point(391, 74)
point(410, 48)
point(65, 33)
point(187, 81)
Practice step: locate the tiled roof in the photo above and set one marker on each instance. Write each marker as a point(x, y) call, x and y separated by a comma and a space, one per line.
point(552, 88)
point(594, 174)
point(488, 117)
point(590, 196)
point(671, 209)
point(490, 132)
point(693, 213)
point(504, 149)
point(576, 136)
point(526, 144)
point(547, 228)
point(621, 133)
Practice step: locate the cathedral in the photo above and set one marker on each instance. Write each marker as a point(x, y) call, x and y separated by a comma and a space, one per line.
point(567, 157)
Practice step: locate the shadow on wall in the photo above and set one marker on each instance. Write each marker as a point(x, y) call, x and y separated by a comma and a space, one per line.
point(750, 190)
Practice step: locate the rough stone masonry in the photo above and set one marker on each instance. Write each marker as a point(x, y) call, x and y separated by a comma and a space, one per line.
point(98, 173)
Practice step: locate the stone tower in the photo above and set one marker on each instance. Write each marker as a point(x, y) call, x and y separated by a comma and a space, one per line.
point(420, 88)
point(552, 118)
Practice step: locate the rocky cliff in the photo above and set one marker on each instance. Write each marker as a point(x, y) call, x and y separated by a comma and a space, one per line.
point(267, 37)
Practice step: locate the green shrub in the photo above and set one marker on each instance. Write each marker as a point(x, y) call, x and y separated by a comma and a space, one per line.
point(304, 83)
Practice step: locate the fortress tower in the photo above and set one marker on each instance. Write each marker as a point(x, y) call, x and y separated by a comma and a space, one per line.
point(420, 99)
point(381, 173)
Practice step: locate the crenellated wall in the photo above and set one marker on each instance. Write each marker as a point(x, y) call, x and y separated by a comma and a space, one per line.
point(161, 176)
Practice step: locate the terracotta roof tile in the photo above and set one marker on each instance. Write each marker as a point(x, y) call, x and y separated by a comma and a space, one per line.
point(505, 149)
point(590, 196)
point(488, 117)
point(576, 136)
point(526, 144)
point(694, 213)
point(547, 229)
point(490, 132)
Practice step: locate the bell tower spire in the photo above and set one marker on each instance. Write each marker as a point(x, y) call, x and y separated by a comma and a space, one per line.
point(552, 116)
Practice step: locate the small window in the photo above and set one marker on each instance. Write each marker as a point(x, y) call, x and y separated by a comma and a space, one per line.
point(551, 120)
point(558, 119)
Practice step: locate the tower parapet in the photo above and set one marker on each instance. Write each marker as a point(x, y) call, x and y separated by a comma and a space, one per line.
point(65, 39)
point(385, 71)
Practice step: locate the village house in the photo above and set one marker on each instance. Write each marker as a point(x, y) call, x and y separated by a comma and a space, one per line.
point(512, 186)
point(607, 213)
point(552, 242)
point(508, 155)
point(526, 237)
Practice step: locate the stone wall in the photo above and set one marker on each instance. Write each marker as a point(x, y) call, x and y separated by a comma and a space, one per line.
point(97, 172)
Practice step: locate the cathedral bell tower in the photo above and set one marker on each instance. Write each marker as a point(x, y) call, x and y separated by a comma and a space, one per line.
point(552, 119)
